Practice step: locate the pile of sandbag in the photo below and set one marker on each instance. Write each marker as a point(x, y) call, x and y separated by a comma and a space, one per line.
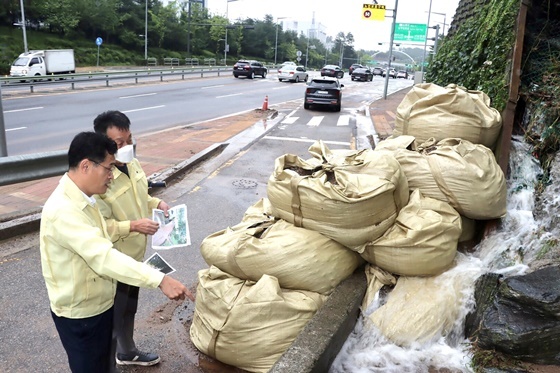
point(266, 279)
point(442, 141)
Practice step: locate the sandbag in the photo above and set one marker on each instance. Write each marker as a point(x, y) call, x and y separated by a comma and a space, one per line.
point(248, 324)
point(425, 309)
point(299, 258)
point(422, 242)
point(351, 197)
point(429, 110)
point(456, 171)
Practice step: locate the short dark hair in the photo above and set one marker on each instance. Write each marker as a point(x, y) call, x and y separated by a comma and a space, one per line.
point(111, 118)
point(90, 145)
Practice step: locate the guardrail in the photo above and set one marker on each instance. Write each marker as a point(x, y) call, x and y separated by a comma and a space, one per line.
point(78, 78)
point(21, 168)
point(27, 167)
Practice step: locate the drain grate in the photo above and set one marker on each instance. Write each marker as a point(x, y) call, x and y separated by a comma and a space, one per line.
point(244, 184)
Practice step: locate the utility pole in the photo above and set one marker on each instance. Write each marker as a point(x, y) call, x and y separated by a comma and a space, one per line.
point(390, 50)
point(425, 43)
point(23, 27)
point(146, 33)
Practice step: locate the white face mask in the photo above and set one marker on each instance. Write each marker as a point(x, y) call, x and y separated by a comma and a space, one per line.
point(125, 154)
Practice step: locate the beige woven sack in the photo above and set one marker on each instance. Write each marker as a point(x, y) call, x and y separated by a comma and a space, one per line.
point(429, 110)
point(423, 241)
point(425, 309)
point(248, 324)
point(299, 258)
point(456, 171)
point(351, 197)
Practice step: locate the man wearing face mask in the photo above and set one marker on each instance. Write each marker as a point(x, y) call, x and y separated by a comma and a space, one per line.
point(127, 207)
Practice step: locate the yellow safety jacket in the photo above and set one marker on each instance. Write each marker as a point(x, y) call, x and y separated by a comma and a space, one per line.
point(78, 262)
point(127, 199)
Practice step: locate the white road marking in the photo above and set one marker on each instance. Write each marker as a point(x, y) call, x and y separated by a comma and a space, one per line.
point(145, 108)
point(290, 120)
point(142, 95)
point(18, 110)
point(15, 129)
point(343, 120)
point(280, 88)
point(212, 86)
point(234, 94)
point(293, 139)
point(315, 121)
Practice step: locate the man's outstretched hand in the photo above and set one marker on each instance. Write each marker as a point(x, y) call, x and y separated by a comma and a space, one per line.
point(174, 289)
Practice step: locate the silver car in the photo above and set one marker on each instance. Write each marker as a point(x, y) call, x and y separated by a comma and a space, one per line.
point(292, 73)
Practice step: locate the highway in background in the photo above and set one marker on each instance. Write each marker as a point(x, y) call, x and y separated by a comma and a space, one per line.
point(48, 121)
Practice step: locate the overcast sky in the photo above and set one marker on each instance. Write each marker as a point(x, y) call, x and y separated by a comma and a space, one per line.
point(345, 16)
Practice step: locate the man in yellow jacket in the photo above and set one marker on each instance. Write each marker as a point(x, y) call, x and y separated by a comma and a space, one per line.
point(79, 264)
point(127, 208)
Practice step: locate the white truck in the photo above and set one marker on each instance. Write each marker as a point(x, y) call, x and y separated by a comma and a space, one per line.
point(44, 62)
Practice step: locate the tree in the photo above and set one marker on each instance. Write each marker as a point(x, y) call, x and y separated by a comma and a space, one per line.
point(60, 15)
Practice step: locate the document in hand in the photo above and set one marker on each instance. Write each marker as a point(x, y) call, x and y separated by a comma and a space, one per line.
point(173, 230)
point(157, 262)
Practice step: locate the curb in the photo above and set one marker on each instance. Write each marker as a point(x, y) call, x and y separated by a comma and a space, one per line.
point(320, 341)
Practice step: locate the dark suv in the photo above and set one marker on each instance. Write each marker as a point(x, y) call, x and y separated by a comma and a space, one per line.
point(354, 66)
point(249, 69)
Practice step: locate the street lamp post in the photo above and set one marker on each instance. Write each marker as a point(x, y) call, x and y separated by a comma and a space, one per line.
point(276, 42)
point(146, 33)
point(23, 26)
point(444, 21)
point(226, 46)
point(425, 43)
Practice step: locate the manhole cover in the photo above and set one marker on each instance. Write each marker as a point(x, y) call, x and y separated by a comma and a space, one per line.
point(245, 184)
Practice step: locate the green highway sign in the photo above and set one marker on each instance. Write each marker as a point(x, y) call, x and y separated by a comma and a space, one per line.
point(412, 32)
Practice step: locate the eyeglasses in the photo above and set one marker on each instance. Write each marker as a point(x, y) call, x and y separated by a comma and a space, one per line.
point(109, 169)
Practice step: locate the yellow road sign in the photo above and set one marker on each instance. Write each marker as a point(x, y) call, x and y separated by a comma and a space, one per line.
point(373, 12)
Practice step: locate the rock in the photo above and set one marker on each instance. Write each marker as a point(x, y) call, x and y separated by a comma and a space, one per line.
point(519, 316)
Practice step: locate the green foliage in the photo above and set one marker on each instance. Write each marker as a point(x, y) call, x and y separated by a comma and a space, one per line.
point(478, 55)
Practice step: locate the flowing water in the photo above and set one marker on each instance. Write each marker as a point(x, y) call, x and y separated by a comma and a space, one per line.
point(425, 321)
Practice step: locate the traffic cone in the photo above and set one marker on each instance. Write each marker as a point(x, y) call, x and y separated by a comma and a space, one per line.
point(265, 104)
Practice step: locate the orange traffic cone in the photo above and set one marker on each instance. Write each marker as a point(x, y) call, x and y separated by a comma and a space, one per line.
point(265, 103)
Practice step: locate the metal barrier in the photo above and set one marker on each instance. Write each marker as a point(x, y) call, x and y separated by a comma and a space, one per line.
point(151, 61)
point(20, 168)
point(107, 77)
point(210, 61)
point(191, 61)
point(168, 61)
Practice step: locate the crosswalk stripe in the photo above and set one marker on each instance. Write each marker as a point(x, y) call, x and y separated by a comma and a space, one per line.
point(290, 120)
point(315, 121)
point(343, 120)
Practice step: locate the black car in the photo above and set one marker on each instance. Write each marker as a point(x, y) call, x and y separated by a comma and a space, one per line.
point(377, 71)
point(249, 69)
point(333, 71)
point(362, 74)
point(354, 66)
point(323, 91)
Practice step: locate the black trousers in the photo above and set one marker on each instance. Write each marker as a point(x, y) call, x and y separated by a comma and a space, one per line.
point(87, 342)
point(124, 312)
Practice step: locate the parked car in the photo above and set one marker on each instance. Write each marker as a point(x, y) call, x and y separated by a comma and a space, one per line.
point(402, 74)
point(377, 71)
point(333, 71)
point(325, 92)
point(292, 73)
point(353, 67)
point(361, 73)
point(249, 69)
point(392, 73)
